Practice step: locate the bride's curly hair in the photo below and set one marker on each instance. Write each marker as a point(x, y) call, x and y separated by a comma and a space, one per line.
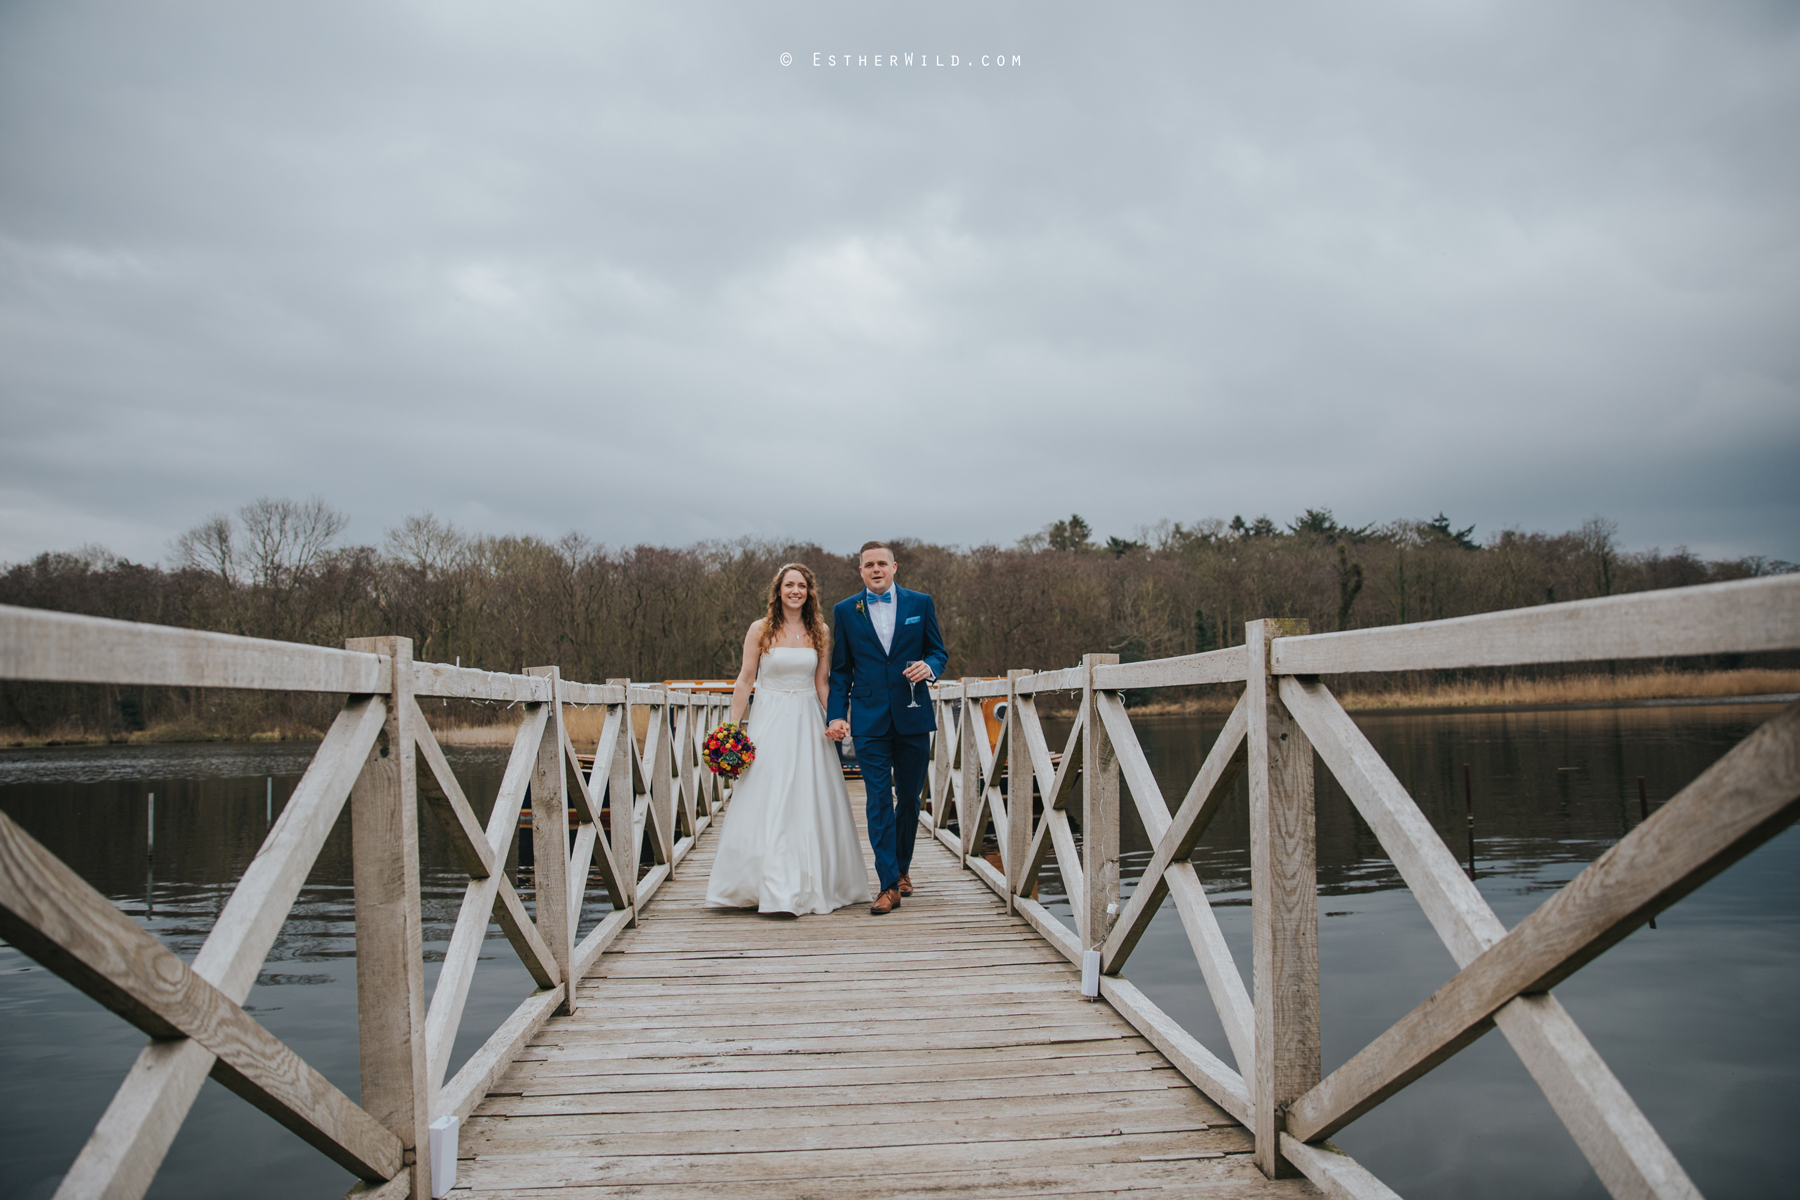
point(810, 616)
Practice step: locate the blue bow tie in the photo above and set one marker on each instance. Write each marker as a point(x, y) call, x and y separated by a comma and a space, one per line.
point(886, 597)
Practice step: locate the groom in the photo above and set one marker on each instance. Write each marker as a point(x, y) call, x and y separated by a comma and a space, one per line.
point(887, 641)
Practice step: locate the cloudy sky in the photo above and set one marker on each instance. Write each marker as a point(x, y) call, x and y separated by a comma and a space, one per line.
point(615, 268)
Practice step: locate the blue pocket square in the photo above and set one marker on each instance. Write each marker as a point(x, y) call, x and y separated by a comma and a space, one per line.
point(912, 620)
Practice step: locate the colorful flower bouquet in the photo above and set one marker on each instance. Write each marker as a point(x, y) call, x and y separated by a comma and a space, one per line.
point(729, 750)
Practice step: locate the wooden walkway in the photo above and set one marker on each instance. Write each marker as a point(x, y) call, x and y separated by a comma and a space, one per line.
point(941, 1050)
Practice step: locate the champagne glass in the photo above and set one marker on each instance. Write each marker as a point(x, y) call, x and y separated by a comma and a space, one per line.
point(914, 686)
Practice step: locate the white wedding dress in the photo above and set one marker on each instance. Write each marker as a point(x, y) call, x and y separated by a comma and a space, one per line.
point(790, 842)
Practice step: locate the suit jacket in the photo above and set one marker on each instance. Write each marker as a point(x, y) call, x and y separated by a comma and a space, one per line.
point(869, 682)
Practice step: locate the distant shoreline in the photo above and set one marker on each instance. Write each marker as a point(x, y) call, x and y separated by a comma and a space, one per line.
point(1650, 689)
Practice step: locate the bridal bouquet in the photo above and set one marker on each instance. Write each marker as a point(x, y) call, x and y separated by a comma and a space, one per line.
point(729, 750)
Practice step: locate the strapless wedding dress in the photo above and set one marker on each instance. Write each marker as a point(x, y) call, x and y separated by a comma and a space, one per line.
point(790, 842)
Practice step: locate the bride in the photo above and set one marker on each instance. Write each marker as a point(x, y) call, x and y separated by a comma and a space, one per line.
point(790, 842)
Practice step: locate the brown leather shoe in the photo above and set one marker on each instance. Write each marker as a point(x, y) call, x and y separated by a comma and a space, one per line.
point(885, 903)
point(904, 887)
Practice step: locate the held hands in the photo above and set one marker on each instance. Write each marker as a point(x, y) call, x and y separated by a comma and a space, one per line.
point(838, 730)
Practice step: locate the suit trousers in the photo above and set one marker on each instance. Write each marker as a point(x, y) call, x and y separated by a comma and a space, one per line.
point(893, 767)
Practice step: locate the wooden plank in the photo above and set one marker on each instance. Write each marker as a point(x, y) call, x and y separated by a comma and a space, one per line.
point(576, 1137)
point(470, 683)
point(459, 1097)
point(550, 837)
point(1612, 1132)
point(1052, 833)
point(66, 648)
point(512, 1172)
point(1716, 618)
point(1188, 670)
point(1224, 984)
point(1070, 679)
point(1175, 841)
point(1284, 899)
point(390, 967)
point(1019, 784)
point(1183, 1105)
point(50, 913)
point(621, 799)
point(122, 1154)
point(609, 693)
point(840, 1067)
point(975, 754)
point(1035, 745)
point(1338, 1175)
point(1738, 803)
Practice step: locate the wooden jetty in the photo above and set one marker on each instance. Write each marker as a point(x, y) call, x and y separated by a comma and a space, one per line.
point(943, 1050)
point(668, 1050)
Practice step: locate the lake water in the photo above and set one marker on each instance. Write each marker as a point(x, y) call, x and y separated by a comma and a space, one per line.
point(1688, 1015)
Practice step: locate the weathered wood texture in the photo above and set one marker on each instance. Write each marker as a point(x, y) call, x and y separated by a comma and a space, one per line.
point(390, 963)
point(1284, 892)
point(941, 1049)
point(1751, 614)
point(65, 648)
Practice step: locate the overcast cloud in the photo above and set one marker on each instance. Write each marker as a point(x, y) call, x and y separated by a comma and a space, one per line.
point(614, 268)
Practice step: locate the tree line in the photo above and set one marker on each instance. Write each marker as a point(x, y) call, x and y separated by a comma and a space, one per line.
point(279, 568)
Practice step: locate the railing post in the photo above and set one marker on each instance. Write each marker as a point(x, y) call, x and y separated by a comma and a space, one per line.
point(940, 761)
point(390, 963)
point(1099, 810)
point(968, 729)
point(1284, 899)
point(621, 799)
point(658, 762)
point(1018, 789)
point(550, 838)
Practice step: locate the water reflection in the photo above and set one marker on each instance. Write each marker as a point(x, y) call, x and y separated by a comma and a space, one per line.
point(1690, 1016)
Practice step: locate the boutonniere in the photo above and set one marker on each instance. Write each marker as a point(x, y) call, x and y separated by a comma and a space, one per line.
point(860, 608)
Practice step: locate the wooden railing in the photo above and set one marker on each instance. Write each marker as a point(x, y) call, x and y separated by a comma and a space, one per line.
point(1284, 715)
point(370, 757)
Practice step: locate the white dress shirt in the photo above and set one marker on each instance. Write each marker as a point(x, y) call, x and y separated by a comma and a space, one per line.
point(882, 616)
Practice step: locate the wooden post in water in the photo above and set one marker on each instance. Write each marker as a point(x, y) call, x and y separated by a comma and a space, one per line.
point(390, 966)
point(550, 840)
point(1644, 815)
point(1469, 809)
point(1018, 789)
point(1099, 810)
point(1284, 901)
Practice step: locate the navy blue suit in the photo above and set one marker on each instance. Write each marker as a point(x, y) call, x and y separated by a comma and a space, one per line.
point(893, 741)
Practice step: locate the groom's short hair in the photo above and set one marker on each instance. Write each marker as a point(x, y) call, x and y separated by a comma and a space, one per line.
point(868, 546)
